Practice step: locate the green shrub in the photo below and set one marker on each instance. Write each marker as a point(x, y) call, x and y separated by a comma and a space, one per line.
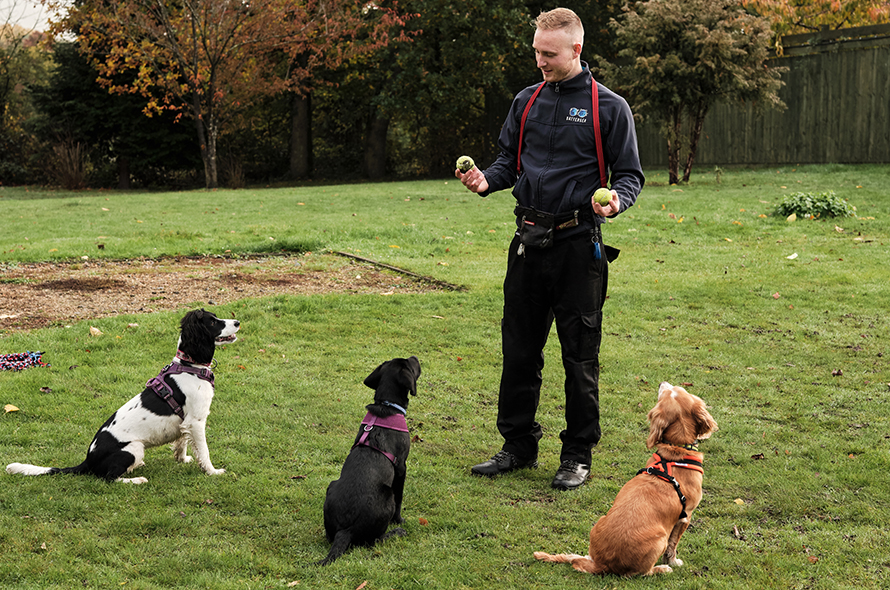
point(812, 206)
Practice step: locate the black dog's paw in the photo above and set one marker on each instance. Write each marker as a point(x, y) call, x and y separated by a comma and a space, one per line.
point(399, 532)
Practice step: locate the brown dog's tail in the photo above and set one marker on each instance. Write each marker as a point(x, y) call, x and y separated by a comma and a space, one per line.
point(582, 563)
point(341, 544)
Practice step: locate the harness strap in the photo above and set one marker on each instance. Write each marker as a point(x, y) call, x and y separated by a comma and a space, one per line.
point(528, 107)
point(165, 392)
point(663, 469)
point(395, 422)
point(595, 113)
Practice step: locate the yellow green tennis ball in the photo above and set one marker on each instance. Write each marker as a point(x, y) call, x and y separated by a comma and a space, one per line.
point(465, 164)
point(602, 196)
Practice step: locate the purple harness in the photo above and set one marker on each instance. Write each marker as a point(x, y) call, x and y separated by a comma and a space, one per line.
point(165, 392)
point(394, 422)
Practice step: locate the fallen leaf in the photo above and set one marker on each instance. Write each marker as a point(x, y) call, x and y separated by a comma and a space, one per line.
point(95, 331)
point(10, 408)
point(362, 585)
point(792, 217)
point(423, 521)
point(739, 501)
point(46, 390)
point(776, 295)
point(837, 373)
point(758, 457)
point(792, 257)
point(295, 582)
point(812, 559)
point(839, 230)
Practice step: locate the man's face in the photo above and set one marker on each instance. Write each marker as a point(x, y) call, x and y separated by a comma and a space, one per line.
point(556, 55)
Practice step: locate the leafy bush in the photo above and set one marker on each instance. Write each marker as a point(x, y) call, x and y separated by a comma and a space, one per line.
point(812, 206)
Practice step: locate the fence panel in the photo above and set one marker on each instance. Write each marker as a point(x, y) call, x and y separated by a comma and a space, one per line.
point(836, 91)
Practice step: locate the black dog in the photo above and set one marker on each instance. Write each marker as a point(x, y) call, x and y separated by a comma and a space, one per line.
point(172, 408)
point(360, 505)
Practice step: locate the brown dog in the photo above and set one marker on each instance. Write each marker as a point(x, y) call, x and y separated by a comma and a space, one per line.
point(652, 510)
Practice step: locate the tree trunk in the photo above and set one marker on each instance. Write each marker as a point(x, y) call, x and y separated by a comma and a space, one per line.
point(375, 147)
point(698, 120)
point(123, 172)
point(673, 146)
point(207, 142)
point(301, 137)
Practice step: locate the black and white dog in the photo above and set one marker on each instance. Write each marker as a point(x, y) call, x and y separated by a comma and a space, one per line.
point(173, 407)
point(360, 505)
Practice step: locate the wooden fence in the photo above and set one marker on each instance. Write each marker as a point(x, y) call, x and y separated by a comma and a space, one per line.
point(837, 92)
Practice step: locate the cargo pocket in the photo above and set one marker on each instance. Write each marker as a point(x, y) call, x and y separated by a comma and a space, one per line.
point(591, 334)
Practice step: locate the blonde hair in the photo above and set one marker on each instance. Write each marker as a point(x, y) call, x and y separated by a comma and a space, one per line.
point(561, 18)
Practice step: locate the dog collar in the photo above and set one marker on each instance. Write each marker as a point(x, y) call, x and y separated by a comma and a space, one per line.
point(692, 447)
point(184, 357)
point(397, 407)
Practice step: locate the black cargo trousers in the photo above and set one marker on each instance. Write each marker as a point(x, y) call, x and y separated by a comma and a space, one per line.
point(566, 282)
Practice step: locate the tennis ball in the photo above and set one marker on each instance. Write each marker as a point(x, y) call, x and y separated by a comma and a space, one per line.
point(465, 164)
point(602, 196)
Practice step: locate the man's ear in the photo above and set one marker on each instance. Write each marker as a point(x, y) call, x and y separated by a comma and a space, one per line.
point(576, 48)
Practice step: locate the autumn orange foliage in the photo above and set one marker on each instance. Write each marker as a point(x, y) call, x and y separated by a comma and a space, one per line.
point(210, 59)
point(795, 16)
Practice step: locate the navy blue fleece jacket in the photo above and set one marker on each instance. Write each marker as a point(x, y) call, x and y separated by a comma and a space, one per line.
point(560, 171)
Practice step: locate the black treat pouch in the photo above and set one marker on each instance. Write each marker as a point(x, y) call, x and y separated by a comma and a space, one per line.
point(535, 227)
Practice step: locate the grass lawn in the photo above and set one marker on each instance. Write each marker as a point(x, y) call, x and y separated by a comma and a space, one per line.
point(780, 326)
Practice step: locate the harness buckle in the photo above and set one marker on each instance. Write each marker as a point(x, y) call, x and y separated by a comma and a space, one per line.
point(368, 427)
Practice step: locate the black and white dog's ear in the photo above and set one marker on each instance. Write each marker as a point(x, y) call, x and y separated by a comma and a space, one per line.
point(195, 338)
point(410, 373)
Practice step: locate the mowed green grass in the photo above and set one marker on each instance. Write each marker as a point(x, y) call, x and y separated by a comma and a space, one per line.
point(789, 352)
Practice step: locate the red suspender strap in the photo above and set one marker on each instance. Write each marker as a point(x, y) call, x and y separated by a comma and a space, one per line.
point(596, 130)
point(595, 112)
point(528, 107)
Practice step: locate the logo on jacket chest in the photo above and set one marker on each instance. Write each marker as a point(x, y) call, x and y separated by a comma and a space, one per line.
point(577, 115)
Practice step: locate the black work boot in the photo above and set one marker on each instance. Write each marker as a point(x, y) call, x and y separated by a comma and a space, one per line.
point(570, 475)
point(502, 462)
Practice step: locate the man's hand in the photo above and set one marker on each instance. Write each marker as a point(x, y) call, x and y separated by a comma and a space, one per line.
point(612, 208)
point(474, 180)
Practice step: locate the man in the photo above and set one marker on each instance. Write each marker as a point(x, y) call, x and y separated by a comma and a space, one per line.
point(561, 273)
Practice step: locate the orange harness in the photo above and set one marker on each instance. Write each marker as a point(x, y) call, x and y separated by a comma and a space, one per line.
point(664, 469)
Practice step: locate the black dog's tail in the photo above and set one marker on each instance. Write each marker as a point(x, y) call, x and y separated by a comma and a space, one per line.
point(26, 469)
point(342, 543)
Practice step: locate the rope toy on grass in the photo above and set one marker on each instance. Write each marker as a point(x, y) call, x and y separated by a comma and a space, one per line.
point(21, 360)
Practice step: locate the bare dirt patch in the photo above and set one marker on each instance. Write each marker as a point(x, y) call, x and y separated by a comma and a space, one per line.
point(44, 294)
